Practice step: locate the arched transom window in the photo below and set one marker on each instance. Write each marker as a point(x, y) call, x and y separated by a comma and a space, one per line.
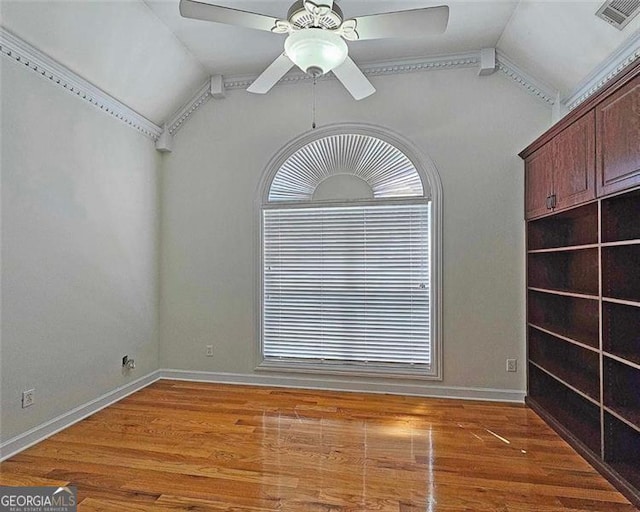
point(347, 260)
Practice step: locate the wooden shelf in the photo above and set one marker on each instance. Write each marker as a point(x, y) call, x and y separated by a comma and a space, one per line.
point(575, 227)
point(567, 271)
point(562, 337)
point(571, 317)
point(621, 330)
point(622, 360)
point(624, 415)
point(619, 243)
point(621, 272)
point(564, 293)
point(632, 303)
point(554, 376)
point(620, 216)
point(577, 414)
point(565, 249)
point(573, 365)
point(622, 449)
point(622, 390)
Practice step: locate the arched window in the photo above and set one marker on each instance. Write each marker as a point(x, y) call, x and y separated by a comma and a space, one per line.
point(349, 274)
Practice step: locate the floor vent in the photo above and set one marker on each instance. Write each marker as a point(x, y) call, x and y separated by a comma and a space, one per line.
point(619, 12)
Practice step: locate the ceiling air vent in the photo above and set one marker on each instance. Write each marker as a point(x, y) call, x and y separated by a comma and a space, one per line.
point(619, 12)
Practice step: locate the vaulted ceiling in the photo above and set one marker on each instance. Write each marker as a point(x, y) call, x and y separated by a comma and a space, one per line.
point(150, 58)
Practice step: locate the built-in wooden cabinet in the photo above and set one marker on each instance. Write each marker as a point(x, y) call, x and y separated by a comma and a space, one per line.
point(574, 179)
point(561, 173)
point(618, 131)
point(583, 325)
point(538, 178)
point(583, 281)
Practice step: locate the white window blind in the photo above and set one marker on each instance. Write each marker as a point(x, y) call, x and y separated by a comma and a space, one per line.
point(347, 285)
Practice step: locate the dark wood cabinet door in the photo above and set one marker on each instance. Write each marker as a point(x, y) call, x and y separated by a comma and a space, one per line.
point(618, 140)
point(574, 177)
point(538, 171)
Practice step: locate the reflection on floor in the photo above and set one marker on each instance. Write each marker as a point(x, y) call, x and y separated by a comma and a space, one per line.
point(208, 447)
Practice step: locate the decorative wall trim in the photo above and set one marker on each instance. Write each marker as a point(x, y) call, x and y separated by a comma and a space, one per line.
point(41, 432)
point(394, 67)
point(182, 114)
point(380, 68)
point(533, 86)
point(307, 382)
point(628, 53)
point(454, 61)
point(19, 50)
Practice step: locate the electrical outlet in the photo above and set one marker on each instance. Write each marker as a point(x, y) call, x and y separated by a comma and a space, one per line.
point(512, 365)
point(209, 350)
point(128, 363)
point(28, 398)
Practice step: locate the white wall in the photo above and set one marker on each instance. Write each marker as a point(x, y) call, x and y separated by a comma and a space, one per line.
point(471, 127)
point(79, 250)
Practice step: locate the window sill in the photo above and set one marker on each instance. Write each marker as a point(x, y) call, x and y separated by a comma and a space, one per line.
point(355, 370)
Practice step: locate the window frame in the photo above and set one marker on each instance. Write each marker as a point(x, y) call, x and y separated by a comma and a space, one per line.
point(431, 181)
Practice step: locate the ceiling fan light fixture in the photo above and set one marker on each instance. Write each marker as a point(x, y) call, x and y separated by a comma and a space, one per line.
point(316, 51)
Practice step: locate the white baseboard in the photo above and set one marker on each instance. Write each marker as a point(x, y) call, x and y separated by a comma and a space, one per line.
point(41, 432)
point(47, 429)
point(425, 390)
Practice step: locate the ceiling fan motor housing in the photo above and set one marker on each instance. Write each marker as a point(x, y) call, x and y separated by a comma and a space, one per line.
point(300, 17)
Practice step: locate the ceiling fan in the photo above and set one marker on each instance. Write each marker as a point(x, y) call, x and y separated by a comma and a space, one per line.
point(316, 37)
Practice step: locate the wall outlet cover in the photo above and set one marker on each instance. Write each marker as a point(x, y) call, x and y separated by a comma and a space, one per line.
point(512, 365)
point(28, 397)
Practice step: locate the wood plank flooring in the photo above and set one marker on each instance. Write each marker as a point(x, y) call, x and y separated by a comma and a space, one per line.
point(208, 447)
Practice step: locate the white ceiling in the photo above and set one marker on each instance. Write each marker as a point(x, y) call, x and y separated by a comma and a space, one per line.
point(561, 42)
point(143, 53)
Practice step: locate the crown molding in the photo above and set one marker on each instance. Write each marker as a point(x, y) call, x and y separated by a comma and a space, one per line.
point(625, 55)
point(178, 118)
point(453, 61)
point(532, 85)
point(13, 47)
point(378, 68)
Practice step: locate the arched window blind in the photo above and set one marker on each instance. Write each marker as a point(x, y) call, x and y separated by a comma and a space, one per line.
point(346, 284)
point(384, 167)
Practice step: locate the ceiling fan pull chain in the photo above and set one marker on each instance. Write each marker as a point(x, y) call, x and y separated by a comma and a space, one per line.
point(313, 120)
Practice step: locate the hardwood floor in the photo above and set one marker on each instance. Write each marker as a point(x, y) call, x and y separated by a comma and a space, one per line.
point(208, 447)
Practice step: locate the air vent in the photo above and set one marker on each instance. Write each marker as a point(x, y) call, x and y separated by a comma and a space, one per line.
point(619, 12)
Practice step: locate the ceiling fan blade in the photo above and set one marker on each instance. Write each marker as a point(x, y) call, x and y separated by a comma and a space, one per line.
point(353, 79)
point(271, 75)
point(402, 24)
point(205, 11)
